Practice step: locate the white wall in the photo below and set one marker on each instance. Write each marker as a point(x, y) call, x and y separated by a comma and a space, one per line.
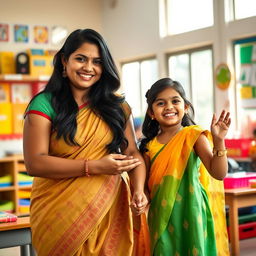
point(72, 14)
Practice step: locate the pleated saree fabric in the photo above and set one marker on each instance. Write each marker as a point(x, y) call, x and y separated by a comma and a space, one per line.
point(84, 215)
point(187, 211)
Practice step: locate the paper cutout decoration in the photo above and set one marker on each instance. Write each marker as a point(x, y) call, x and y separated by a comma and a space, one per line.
point(222, 76)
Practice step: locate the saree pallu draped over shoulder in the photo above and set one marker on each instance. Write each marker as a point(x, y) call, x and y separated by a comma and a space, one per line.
point(84, 215)
point(187, 211)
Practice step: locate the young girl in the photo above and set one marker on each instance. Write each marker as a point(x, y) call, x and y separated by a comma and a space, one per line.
point(186, 215)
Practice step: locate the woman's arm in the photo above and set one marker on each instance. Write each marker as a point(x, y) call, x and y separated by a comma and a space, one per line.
point(217, 165)
point(36, 138)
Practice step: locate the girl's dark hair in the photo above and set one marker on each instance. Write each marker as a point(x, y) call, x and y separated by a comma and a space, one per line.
point(101, 96)
point(150, 128)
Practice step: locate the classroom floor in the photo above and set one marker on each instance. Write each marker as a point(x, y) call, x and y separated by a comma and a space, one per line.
point(247, 248)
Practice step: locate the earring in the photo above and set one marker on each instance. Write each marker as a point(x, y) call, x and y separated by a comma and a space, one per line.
point(64, 73)
point(152, 118)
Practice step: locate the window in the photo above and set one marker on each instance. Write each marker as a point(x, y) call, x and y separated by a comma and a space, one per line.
point(137, 78)
point(244, 8)
point(180, 18)
point(193, 69)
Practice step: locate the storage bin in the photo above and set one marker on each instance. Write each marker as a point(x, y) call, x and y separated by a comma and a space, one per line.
point(238, 179)
point(246, 230)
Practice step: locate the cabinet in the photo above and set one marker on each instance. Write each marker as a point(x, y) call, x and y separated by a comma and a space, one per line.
point(16, 90)
point(16, 190)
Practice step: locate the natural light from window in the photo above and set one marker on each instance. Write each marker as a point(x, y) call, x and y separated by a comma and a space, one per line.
point(244, 8)
point(137, 78)
point(188, 15)
point(194, 71)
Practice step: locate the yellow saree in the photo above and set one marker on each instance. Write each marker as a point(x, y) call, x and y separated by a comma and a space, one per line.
point(84, 215)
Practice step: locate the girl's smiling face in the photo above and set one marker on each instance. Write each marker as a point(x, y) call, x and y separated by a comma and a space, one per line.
point(168, 108)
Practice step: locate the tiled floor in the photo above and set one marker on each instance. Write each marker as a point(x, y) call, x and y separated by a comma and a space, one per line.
point(247, 248)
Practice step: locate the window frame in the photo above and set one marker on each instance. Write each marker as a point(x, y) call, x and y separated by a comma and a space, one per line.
point(139, 60)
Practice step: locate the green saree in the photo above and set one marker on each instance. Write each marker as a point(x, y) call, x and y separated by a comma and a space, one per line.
point(182, 219)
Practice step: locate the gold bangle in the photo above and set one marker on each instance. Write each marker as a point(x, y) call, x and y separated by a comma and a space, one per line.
point(219, 152)
point(86, 168)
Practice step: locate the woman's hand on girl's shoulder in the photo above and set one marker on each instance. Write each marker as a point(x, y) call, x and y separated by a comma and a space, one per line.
point(114, 164)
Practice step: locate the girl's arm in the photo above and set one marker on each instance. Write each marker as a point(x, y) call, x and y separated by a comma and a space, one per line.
point(215, 161)
point(138, 174)
point(36, 139)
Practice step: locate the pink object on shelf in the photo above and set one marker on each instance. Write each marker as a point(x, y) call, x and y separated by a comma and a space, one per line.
point(238, 179)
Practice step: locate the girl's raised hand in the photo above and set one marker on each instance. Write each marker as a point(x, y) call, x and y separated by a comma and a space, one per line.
point(219, 128)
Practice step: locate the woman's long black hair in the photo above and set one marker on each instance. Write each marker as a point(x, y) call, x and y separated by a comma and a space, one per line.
point(150, 128)
point(102, 98)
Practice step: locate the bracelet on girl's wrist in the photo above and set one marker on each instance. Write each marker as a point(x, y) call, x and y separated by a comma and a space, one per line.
point(86, 168)
point(219, 152)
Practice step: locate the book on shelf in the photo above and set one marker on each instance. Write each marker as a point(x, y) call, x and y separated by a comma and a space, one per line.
point(7, 217)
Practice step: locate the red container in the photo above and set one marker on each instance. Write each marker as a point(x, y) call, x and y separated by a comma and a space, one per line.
point(246, 230)
point(238, 147)
point(238, 179)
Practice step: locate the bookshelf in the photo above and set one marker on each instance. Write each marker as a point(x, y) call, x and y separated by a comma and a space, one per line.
point(13, 167)
point(16, 90)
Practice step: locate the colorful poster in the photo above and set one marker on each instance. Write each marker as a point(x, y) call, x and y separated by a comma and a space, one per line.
point(245, 74)
point(41, 34)
point(4, 32)
point(254, 52)
point(21, 33)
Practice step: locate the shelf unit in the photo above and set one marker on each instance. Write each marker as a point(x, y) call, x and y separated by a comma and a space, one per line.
point(36, 83)
point(12, 165)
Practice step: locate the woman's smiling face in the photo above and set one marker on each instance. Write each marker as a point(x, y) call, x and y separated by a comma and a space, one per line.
point(84, 66)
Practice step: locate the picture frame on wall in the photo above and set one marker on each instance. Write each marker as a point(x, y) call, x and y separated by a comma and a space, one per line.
point(21, 33)
point(41, 34)
point(4, 32)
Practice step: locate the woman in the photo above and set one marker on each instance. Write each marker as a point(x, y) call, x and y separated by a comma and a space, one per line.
point(79, 144)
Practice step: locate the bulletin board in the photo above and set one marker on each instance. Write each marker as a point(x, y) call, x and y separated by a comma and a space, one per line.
point(247, 77)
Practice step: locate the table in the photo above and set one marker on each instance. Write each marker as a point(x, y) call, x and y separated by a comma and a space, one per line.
point(17, 233)
point(236, 198)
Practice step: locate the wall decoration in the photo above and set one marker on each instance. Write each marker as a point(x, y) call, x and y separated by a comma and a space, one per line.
point(59, 34)
point(41, 34)
point(254, 52)
point(247, 77)
point(4, 32)
point(21, 33)
point(222, 76)
point(245, 73)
